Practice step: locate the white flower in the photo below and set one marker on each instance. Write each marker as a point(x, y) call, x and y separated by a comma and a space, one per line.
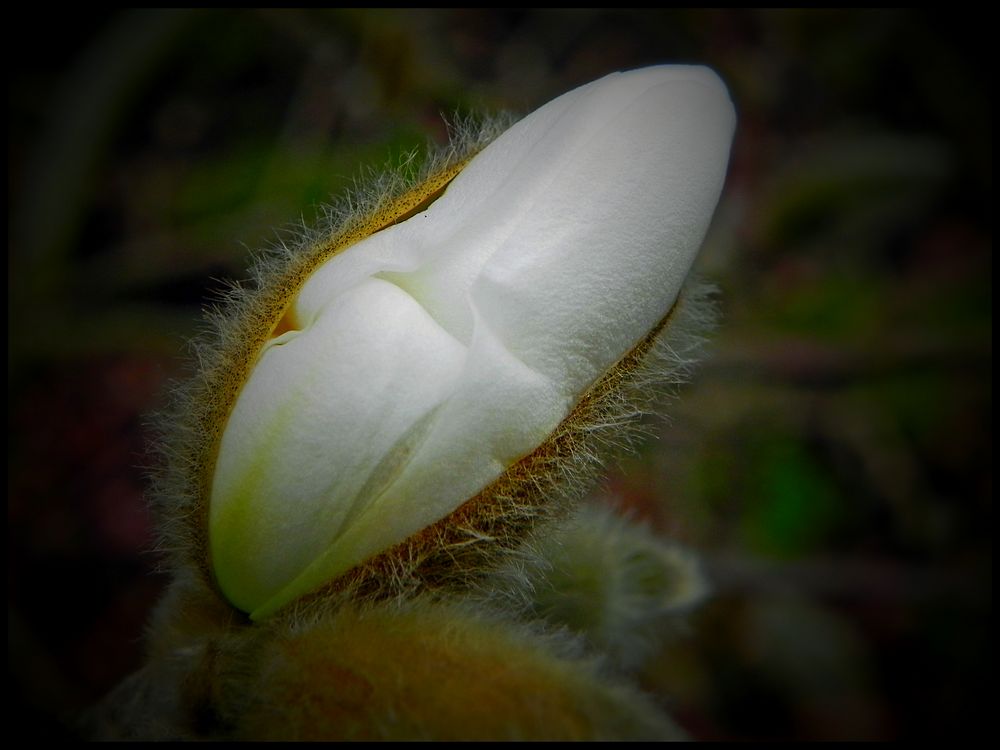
point(427, 358)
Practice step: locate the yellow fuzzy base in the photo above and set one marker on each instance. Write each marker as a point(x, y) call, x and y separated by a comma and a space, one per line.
point(425, 669)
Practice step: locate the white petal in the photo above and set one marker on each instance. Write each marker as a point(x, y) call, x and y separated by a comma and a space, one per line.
point(439, 351)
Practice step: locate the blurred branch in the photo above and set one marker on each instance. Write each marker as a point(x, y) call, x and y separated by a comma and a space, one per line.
point(54, 196)
point(808, 363)
point(871, 580)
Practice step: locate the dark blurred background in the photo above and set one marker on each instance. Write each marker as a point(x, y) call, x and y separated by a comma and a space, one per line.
point(831, 462)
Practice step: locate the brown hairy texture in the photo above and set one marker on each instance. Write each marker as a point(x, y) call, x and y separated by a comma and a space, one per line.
point(188, 432)
point(436, 670)
point(457, 550)
point(425, 668)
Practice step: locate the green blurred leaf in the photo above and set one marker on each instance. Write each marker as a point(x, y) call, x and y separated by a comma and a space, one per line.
point(793, 503)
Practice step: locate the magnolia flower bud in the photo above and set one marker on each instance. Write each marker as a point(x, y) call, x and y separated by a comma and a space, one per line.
point(421, 359)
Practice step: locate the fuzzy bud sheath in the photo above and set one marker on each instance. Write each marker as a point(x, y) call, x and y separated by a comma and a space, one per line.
point(371, 484)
